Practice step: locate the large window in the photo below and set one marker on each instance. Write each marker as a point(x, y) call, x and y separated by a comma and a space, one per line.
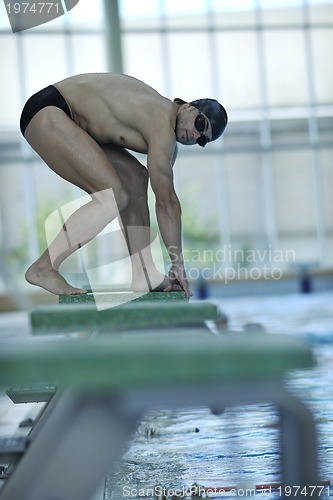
point(266, 185)
point(267, 61)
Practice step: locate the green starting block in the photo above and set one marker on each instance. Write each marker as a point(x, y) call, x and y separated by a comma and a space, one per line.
point(85, 318)
point(31, 393)
point(137, 358)
point(120, 297)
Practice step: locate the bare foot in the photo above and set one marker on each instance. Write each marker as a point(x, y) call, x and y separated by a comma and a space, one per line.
point(156, 282)
point(51, 280)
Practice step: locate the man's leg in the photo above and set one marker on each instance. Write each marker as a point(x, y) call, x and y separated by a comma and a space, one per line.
point(76, 157)
point(136, 221)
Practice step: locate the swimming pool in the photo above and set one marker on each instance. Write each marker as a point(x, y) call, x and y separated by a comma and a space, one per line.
point(172, 450)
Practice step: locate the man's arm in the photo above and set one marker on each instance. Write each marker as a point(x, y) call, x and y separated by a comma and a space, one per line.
point(168, 209)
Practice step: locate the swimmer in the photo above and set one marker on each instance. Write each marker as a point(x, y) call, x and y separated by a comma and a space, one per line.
point(84, 128)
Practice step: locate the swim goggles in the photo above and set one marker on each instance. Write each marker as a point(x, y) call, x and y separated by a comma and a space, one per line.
point(200, 125)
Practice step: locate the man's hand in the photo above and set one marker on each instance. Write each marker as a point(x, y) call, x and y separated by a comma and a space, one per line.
point(177, 278)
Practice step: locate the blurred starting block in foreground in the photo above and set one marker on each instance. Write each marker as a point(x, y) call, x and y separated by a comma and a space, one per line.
point(107, 383)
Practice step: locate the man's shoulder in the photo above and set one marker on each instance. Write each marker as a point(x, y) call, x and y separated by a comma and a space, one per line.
point(97, 79)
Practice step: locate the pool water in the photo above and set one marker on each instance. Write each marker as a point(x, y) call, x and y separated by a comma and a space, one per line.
point(172, 450)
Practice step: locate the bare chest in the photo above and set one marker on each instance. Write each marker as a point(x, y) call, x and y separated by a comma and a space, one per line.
point(109, 131)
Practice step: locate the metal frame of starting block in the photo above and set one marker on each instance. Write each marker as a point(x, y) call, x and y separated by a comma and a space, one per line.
point(108, 383)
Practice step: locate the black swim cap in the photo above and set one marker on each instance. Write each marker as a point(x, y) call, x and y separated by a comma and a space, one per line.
point(215, 113)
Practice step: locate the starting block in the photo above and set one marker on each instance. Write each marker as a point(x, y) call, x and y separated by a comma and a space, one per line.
point(85, 318)
point(109, 382)
point(121, 297)
point(36, 393)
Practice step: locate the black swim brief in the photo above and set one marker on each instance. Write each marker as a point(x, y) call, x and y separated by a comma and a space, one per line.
point(50, 96)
